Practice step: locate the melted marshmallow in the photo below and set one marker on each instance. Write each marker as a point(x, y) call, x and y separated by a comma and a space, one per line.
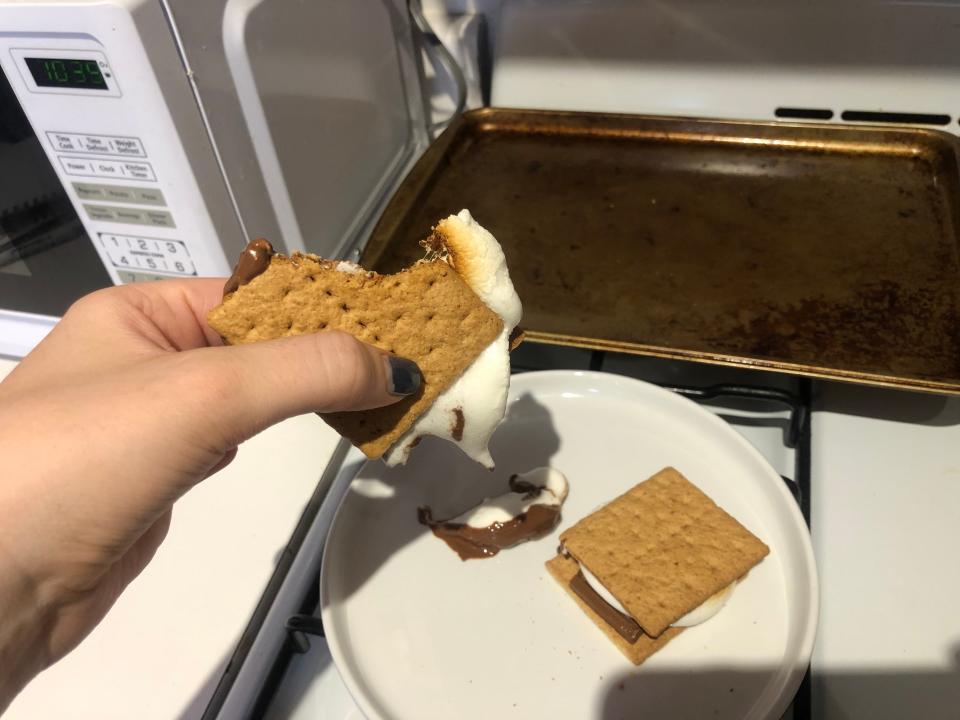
point(480, 393)
point(703, 612)
point(504, 508)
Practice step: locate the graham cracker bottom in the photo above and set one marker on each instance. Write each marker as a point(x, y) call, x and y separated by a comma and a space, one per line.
point(563, 570)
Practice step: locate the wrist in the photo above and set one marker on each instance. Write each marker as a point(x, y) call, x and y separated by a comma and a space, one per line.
point(22, 633)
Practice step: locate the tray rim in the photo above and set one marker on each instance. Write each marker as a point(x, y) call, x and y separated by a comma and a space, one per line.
point(501, 119)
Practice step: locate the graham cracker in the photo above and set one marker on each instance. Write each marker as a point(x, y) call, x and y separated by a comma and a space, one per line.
point(662, 548)
point(563, 570)
point(426, 313)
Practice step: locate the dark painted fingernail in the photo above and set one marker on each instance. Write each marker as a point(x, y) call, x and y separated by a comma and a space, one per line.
point(403, 376)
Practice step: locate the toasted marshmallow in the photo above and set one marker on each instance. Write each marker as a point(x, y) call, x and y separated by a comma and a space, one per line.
point(469, 411)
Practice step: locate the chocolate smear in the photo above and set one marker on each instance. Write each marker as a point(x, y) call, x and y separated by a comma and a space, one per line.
point(523, 487)
point(254, 260)
point(472, 543)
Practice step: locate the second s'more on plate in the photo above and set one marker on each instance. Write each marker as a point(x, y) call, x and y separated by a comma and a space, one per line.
point(452, 313)
point(660, 558)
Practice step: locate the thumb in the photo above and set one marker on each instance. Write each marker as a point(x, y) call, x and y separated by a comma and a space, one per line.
point(259, 384)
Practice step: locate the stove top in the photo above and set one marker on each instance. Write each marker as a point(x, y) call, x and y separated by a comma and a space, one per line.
point(293, 676)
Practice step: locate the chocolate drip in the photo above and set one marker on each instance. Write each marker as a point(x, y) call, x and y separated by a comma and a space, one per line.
point(474, 543)
point(254, 259)
point(456, 430)
point(516, 337)
point(626, 627)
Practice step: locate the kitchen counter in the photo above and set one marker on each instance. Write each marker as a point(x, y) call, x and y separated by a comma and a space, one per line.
point(160, 650)
point(886, 533)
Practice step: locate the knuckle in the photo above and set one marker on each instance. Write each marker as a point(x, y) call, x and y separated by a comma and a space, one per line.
point(91, 303)
point(349, 368)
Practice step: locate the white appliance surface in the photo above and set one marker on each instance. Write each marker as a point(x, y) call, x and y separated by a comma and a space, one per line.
point(736, 59)
point(161, 649)
point(886, 532)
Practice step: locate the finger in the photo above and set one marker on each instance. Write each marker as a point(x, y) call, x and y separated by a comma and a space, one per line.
point(108, 329)
point(249, 387)
point(171, 312)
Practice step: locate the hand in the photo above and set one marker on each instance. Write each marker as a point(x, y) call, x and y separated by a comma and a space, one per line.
point(126, 405)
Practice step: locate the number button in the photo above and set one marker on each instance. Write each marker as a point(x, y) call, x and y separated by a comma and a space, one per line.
point(169, 256)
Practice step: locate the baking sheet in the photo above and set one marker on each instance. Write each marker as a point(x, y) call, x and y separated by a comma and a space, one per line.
point(819, 250)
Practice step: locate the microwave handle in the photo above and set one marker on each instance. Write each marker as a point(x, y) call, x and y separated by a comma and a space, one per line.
point(441, 55)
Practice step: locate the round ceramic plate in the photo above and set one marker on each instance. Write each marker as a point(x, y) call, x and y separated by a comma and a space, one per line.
point(417, 633)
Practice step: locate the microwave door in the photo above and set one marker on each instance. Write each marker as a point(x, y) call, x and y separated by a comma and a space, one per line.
point(316, 109)
point(46, 258)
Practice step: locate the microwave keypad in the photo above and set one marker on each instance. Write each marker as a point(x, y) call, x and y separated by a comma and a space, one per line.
point(133, 253)
point(135, 257)
point(97, 144)
point(108, 168)
point(131, 216)
point(119, 193)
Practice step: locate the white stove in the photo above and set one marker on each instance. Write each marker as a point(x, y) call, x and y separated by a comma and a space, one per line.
point(884, 510)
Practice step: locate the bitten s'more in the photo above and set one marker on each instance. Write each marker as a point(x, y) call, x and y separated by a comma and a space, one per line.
point(452, 313)
point(661, 557)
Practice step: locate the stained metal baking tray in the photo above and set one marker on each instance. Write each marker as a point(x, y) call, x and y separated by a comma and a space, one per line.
point(820, 250)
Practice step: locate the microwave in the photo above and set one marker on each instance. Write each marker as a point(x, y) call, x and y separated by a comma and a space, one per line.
point(145, 139)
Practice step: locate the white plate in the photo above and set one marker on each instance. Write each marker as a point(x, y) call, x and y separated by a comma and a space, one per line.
point(417, 633)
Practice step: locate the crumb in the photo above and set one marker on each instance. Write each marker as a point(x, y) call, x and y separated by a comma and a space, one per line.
point(731, 689)
point(620, 685)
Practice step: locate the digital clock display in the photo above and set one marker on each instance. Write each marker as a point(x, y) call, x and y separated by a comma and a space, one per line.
point(66, 73)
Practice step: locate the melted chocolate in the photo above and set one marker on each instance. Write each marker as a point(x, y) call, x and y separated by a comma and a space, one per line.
point(474, 543)
point(523, 487)
point(626, 627)
point(254, 259)
point(516, 337)
point(456, 430)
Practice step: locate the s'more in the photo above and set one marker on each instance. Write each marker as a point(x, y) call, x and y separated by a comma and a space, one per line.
point(658, 559)
point(452, 313)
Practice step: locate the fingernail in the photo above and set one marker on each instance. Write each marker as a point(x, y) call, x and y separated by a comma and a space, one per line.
point(403, 376)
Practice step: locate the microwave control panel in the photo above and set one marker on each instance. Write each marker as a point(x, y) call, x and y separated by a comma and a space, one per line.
point(95, 103)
